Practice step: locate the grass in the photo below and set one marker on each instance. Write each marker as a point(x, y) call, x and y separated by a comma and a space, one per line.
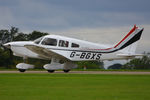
point(44, 86)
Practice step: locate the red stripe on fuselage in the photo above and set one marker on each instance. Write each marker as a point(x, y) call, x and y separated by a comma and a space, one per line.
point(101, 49)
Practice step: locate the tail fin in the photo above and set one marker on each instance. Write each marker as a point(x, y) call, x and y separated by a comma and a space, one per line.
point(129, 52)
point(133, 36)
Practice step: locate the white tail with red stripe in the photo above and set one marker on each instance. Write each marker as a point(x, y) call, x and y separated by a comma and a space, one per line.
point(133, 36)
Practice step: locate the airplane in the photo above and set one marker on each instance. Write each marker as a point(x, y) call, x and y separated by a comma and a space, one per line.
point(64, 51)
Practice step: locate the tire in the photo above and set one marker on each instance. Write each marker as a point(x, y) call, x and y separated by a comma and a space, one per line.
point(51, 71)
point(22, 70)
point(66, 70)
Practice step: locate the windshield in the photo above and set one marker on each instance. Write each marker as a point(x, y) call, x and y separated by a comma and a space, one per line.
point(37, 41)
point(49, 41)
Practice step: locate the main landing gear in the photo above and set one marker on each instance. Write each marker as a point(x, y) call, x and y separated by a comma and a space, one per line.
point(54, 65)
point(22, 67)
point(22, 70)
point(66, 70)
point(51, 71)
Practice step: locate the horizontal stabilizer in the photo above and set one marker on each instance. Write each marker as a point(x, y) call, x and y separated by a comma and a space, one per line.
point(130, 55)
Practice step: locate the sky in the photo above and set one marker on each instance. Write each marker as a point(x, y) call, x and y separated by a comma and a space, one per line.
point(101, 21)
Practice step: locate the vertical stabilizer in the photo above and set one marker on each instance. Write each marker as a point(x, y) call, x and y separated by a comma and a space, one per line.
point(130, 49)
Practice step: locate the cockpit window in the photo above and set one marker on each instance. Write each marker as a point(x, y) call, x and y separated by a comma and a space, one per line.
point(74, 45)
point(49, 41)
point(63, 43)
point(37, 41)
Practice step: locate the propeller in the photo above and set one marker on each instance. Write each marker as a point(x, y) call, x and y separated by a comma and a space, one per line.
point(4, 41)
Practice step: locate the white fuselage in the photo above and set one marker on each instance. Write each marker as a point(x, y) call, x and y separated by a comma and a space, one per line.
point(74, 49)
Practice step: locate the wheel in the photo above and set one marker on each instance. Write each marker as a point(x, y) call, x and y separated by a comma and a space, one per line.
point(50, 71)
point(66, 70)
point(22, 70)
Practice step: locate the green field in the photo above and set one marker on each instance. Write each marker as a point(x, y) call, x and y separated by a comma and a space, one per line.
point(25, 86)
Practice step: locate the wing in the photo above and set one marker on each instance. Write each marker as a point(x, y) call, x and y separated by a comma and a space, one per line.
point(45, 53)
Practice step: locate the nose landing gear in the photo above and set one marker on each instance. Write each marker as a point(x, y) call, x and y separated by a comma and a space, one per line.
point(22, 67)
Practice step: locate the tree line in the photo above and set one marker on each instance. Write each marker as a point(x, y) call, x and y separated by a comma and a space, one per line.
point(136, 63)
point(7, 60)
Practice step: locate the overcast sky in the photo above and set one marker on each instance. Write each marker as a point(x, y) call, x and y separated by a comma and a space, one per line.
point(102, 21)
